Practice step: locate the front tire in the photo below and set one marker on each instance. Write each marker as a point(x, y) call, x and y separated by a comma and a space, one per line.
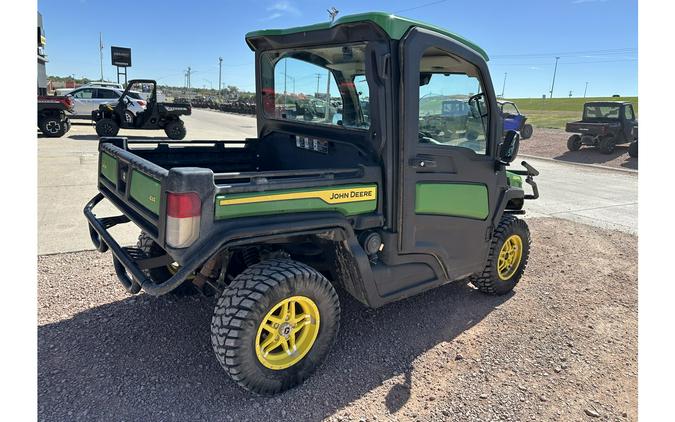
point(509, 252)
point(107, 127)
point(274, 325)
point(175, 129)
point(527, 131)
point(574, 143)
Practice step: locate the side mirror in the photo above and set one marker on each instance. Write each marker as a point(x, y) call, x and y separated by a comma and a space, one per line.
point(477, 107)
point(508, 150)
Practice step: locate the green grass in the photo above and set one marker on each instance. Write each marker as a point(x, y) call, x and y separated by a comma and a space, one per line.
point(554, 113)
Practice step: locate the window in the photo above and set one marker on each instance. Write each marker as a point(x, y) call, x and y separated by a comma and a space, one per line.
point(317, 86)
point(509, 109)
point(601, 112)
point(107, 94)
point(629, 113)
point(84, 94)
point(452, 107)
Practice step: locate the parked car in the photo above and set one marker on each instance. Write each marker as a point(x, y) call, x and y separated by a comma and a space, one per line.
point(89, 98)
point(66, 91)
point(604, 124)
point(514, 120)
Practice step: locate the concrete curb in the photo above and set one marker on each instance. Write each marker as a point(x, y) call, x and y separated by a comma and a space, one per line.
point(595, 166)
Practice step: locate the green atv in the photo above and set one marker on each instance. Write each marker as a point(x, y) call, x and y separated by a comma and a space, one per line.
point(385, 199)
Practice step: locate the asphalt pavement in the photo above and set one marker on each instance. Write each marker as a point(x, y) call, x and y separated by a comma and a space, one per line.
point(67, 181)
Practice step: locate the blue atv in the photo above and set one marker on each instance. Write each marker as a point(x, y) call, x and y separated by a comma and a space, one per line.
point(513, 120)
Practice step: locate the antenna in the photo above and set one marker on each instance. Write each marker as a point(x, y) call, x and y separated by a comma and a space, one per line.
point(332, 13)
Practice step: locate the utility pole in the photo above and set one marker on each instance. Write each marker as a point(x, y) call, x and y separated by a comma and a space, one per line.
point(504, 85)
point(555, 70)
point(220, 74)
point(318, 78)
point(570, 93)
point(189, 72)
point(585, 89)
point(100, 51)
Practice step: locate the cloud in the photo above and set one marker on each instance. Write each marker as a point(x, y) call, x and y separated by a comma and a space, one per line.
point(281, 8)
point(589, 1)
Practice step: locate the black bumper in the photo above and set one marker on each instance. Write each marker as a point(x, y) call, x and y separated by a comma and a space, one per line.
point(129, 262)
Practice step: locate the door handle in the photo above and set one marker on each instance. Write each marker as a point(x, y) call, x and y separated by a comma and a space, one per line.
point(422, 163)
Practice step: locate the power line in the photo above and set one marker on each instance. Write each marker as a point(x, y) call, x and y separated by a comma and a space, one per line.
point(420, 6)
point(565, 63)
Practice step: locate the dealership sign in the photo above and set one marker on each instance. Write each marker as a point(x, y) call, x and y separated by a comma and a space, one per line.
point(121, 56)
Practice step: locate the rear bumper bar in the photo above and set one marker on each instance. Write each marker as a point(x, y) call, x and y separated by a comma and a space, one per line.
point(130, 263)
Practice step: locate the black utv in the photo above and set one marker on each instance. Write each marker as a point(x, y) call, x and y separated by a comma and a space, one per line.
point(604, 124)
point(111, 117)
point(384, 202)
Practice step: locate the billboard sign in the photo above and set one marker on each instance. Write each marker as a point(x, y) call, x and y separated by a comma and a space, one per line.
point(121, 56)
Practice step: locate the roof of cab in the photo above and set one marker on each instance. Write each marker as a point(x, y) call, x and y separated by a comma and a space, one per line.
point(394, 26)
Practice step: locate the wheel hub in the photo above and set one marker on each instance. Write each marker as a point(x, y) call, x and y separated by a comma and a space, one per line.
point(53, 127)
point(510, 256)
point(287, 333)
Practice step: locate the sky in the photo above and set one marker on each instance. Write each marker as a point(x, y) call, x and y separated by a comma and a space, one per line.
point(596, 40)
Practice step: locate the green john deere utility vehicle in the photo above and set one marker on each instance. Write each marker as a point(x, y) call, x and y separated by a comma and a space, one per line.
point(382, 194)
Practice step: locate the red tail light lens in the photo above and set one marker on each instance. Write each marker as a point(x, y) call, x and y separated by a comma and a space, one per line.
point(141, 103)
point(183, 205)
point(183, 217)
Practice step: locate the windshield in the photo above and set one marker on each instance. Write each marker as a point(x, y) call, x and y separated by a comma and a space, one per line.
point(317, 85)
point(601, 112)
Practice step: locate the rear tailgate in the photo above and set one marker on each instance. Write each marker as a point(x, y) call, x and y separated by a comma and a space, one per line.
point(586, 128)
point(132, 184)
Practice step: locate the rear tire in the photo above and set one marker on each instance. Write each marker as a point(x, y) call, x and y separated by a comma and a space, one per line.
point(53, 127)
point(161, 274)
point(633, 149)
point(574, 143)
point(607, 144)
point(175, 129)
point(254, 344)
point(505, 265)
point(107, 127)
point(527, 131)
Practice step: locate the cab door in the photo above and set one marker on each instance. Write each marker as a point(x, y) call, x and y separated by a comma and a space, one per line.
point(449, 182)
point(628, 121)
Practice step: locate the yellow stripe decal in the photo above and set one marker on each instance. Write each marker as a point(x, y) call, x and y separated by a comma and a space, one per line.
point(329, 196)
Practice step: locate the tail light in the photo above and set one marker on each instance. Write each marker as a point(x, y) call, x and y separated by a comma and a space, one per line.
point(183, 214)
point(141, 103)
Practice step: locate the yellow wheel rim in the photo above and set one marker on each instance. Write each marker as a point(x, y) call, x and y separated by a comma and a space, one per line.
point(287, 333)
point(509, 257)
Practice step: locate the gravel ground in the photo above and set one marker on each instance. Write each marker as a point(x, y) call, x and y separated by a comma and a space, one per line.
point(562, 347)
point(552, 143)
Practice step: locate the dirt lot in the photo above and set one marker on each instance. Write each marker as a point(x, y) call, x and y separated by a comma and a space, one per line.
point(562, 347)
point(552, 143)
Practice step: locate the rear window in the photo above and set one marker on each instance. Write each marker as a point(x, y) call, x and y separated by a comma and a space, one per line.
point(325, 85)
point(602, 112)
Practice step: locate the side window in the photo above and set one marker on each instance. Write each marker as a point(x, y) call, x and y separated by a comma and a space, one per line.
point(629, 113)
point(106, 94)
point(509, 109)
point(452, 108)
point(84, 94)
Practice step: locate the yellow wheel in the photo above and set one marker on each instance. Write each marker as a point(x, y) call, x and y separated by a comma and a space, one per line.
point(287, 332)
point(274, 325)
point(509, 257)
